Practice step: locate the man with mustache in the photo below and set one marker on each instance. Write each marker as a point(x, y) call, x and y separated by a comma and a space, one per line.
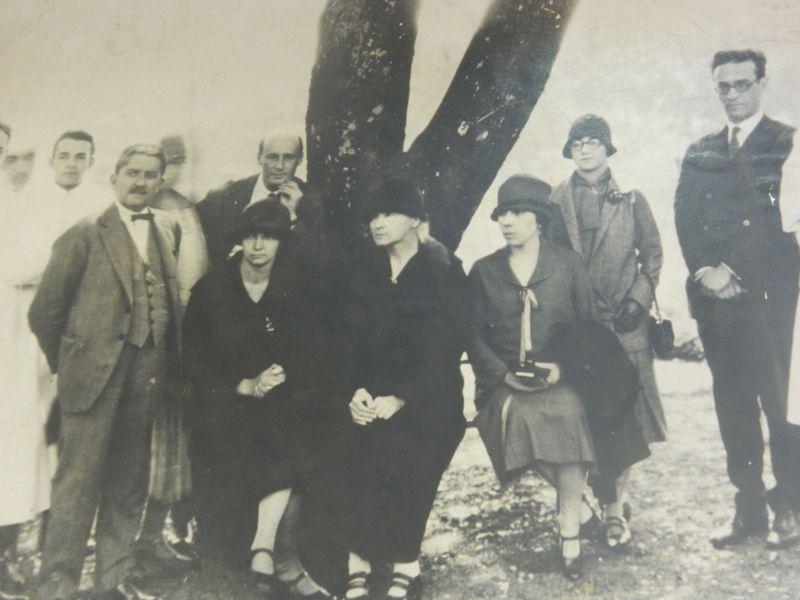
point(742, 288)
point(279, 155)
point(106, 315)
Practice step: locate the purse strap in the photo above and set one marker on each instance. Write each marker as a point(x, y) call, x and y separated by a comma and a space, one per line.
point(655, 296)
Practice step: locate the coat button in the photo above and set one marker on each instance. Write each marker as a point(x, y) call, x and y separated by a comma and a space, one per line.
point(121, 336)
point(709, 195)
point(746, 222)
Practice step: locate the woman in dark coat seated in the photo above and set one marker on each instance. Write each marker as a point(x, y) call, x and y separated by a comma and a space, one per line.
point(407, 310)
point(255, 351)
point(529, 417)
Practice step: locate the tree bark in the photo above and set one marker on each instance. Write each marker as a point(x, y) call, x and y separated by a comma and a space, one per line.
point(503, 73)
point(357, 101)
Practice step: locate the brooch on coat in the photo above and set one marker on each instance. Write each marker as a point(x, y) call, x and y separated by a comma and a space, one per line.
point(615, 196)
point(269, 326)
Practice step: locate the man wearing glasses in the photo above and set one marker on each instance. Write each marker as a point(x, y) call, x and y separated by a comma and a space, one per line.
point(742, 288)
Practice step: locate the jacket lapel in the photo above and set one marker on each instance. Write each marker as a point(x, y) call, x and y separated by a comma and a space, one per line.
point(607, 215)
point(543, 270)
point(118, 247)
point(562, 196)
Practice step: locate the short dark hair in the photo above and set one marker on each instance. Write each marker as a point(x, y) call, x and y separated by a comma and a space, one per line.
point(5, 129)
point(757, 57)
point(153, 150)
point(77, 134)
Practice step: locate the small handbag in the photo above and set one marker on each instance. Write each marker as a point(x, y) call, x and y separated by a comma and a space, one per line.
point(659, 329)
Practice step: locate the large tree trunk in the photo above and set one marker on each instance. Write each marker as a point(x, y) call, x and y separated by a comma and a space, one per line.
point(358, 100)
point(498, 82)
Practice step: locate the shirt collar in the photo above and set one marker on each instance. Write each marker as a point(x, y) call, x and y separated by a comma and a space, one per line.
point(126, 213)
point(746, 127)
point(260, 191)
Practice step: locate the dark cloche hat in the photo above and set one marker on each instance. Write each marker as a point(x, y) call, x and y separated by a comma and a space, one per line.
point(394, 195)
point(590, 126)
point(523, 192)
point(267, 216)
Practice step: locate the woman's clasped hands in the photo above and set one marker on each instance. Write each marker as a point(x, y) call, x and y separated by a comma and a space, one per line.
point(364, 409)
point(259, 386)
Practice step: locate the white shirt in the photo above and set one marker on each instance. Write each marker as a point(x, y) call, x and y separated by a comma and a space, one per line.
point(138, 229)
point(790, 193)
point(746, 127)
point(260, 191)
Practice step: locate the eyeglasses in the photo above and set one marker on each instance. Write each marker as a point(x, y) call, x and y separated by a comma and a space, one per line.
point(741, 85)
point(578, 145)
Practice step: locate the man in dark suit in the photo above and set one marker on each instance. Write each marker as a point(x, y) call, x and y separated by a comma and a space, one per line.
point(108, 319)
point(742, 289)
point(279, 155)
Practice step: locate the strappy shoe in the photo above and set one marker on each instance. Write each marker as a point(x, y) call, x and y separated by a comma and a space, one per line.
point(593, 526)
point(571, 567)
point(618, 534)
point(266, 582)
point(355, 582)
point(411, 587)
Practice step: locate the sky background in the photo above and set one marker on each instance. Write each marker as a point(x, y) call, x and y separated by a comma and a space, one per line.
point(221, 73)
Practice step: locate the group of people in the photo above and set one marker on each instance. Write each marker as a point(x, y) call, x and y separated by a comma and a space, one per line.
point(222, 362)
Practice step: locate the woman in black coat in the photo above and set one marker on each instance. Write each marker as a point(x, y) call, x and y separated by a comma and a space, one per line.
point(255, 348)
point(407, 311)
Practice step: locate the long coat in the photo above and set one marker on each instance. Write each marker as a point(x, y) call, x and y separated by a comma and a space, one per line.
point(82, 309)
point(244, 448)
point(627, 249)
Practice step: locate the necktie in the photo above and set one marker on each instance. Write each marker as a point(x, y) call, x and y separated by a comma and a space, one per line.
point(143, 216)
point(733, 145)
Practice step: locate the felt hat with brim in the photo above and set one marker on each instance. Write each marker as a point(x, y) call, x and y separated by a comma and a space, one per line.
point(394, 196)
point(524, 193)
point(268, 217)
point(589, 126)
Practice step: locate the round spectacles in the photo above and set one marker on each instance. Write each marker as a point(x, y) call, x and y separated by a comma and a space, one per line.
point(591, 143)
point(740, 85)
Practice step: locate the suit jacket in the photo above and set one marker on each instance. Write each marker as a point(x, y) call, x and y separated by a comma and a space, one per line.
point(82, 310)
point(220, 210)
point(627, 248)
point(727, 210)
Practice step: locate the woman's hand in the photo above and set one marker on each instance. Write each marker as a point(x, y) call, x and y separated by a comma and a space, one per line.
point(387, 406)
point(271, 377)
point(362, 407)
point(247, 387)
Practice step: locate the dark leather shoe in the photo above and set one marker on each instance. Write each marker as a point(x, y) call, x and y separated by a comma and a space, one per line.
point(743, 528)
point(785, 529)
point(156, 559)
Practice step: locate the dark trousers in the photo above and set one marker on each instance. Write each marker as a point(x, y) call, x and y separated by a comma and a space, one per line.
point(749, 361)
point(104, 456)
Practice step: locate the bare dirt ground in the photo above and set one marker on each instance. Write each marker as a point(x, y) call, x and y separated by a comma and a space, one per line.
point(487, 542)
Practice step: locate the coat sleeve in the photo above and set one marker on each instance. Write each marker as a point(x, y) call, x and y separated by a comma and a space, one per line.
point(690, 217)
point(50, 308)
point(488, 367)
point(650, 254)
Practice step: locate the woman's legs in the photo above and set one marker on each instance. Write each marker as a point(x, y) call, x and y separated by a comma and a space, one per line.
point(618, 534)
point(357, 586)
point(270, 511)
point(571, 480)
point(547, 472)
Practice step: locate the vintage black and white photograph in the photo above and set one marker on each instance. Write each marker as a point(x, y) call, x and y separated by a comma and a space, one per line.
point(399, 299)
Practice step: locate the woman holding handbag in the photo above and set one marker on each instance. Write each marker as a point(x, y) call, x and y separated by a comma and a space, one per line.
point(529, 416)
point(617, 237)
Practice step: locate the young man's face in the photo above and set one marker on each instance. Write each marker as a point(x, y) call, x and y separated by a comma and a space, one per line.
point(70, 160)
point(739, 105)
point(19, 167)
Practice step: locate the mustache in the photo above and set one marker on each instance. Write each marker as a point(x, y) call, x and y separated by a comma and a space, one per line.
point(138, 189)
